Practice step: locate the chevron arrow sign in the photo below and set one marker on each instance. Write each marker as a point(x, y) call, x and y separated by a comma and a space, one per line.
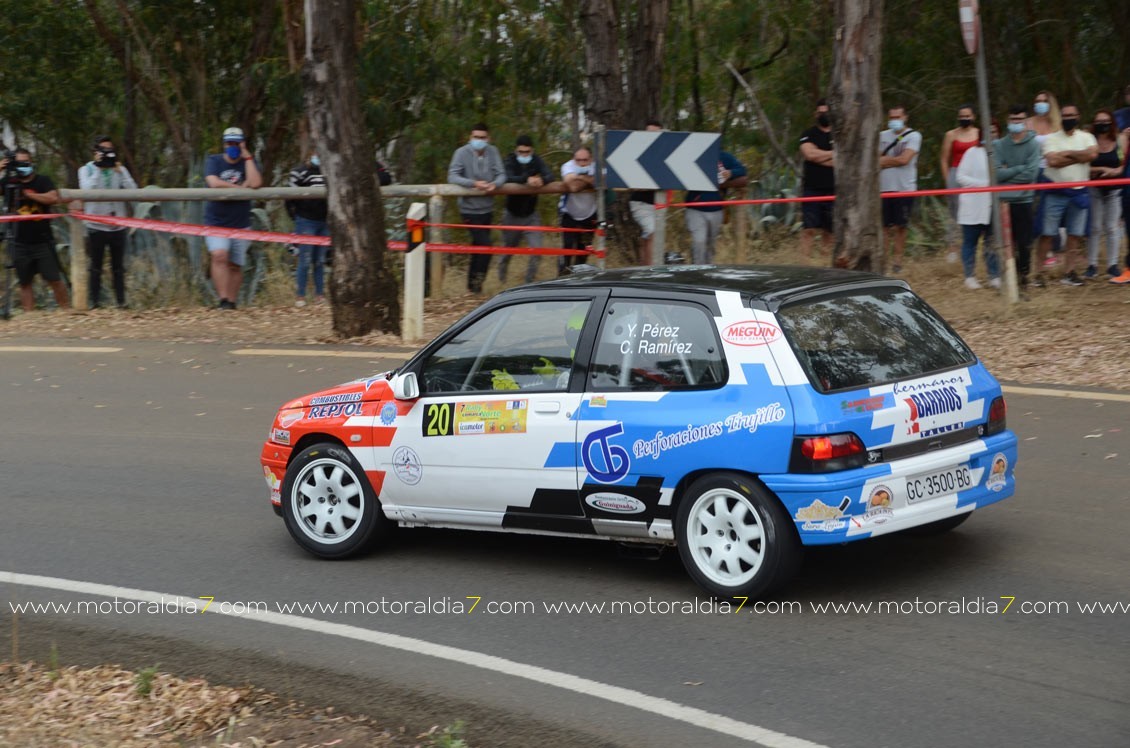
point(643, 160)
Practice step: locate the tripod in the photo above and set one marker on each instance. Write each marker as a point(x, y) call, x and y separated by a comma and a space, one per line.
point(8, 237)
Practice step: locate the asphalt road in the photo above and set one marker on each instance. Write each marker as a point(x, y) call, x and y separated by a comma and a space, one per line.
point(139, 469)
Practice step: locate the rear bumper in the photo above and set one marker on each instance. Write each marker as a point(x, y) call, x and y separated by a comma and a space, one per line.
point(876, 500)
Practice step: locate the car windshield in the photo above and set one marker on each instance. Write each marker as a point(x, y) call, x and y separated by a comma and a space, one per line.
point(857, 340)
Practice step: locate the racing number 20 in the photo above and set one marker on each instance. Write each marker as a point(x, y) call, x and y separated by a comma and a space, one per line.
point(437, 419)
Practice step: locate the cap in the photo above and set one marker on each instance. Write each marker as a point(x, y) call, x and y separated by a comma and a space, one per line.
point(233, 134)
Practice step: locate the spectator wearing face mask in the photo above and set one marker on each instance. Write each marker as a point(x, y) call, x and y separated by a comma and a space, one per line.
point(1044, 121)
point(954, 145)
point(234, 167)
point(309, 220)
point(1069, 154)
point(578, 208)
point(523, 167)
point(478, 166)
point(105, 172)
point(1017, 157)
point(32, 249)
point(1106, 202)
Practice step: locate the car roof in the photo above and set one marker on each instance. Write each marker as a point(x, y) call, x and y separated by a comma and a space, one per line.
point(771, 285)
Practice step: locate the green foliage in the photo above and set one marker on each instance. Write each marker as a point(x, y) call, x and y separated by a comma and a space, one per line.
point(450, 737)
point(143, 682)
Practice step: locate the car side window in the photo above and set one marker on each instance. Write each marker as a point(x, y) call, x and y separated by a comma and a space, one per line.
point(525, 346)
point(648, 345)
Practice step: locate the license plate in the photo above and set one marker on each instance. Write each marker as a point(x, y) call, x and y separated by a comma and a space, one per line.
point(926, 486)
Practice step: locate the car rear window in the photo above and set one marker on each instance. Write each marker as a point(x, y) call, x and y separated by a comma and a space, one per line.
point(857, 340)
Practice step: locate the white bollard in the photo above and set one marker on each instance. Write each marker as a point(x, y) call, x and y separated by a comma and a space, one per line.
point(412, 327)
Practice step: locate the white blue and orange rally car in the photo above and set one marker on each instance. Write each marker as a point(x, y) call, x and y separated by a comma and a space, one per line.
point(738, 413)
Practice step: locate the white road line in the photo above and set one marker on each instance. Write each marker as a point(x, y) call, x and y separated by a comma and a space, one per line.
point(55, 349)
point(1073, 394)
point(615, 694)
point(298, 352)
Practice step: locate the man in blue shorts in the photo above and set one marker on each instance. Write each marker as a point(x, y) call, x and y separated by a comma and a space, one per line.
point(235, 167)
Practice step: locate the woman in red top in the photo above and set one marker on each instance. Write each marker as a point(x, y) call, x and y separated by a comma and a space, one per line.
point(954, 145)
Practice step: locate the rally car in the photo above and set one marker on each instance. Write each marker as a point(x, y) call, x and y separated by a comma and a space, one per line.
point(738, 413)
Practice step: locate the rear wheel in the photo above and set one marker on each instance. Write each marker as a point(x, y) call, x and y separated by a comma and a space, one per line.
point(735, 539)
point(328, 504)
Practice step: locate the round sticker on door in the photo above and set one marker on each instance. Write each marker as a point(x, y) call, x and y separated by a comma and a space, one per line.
point(407, 466)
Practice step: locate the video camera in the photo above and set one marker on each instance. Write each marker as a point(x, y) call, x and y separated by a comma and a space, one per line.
point(10, 168)
point(107, 157)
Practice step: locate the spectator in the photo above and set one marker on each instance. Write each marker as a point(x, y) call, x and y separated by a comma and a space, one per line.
point(1106, 202)
point(105, 172)
point(1018, 162)
point(578, 207)
point(899, 147)
point(477, 165)
point(33, 246)
point(1044, 121)
point(527, 168)
point(233, 168)
point(816, 147)
point(642, 205)
point(1122, 116)
point(1069, 154)
point(975, 216)
point(704, 223)
point(954, 145)
point(309, 220)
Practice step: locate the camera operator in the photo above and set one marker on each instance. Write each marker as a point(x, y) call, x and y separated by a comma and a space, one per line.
point(105, 172)
point(33, 244)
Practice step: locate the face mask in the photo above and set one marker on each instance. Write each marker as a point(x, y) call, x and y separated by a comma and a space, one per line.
point(1016, 127)
point(315, 161)
point(25, 171)
point(1102, 127)
point(965, 122)
point(1042, 108)
point(1070, 123)
point(525, 159)
point(478, 143)
point(895, 124)
point(823, 120)
point(232, 152)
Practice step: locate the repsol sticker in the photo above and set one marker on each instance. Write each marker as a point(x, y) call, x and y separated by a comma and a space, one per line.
point(751, 332)
point(337, 410)
point(617, 503)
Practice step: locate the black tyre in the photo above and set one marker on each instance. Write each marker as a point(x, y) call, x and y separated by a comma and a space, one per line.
point(735, 539)
point(939, 527)
point(328, 504)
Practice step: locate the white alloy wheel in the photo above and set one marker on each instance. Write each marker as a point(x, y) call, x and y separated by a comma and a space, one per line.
point(726, 537)
point(327, 500)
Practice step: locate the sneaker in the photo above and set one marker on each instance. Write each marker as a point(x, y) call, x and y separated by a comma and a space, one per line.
point(1039, 281)
point(1090, 272)
point(1071, 279)
point(227, 305)
point(1112, 271)
point(1122, 279)
point(300, 303)
point(995, 282)
point(972, 283)
point(1051, 261)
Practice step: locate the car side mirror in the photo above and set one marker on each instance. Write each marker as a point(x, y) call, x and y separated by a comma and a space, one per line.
point(405, 386)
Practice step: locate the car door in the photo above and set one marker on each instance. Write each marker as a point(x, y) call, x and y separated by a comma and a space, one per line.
point(651, 411)
point(492, 438)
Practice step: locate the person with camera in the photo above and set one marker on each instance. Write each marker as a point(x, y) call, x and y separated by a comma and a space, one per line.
point(32, 243)
point(105, 172)
point(235, 167)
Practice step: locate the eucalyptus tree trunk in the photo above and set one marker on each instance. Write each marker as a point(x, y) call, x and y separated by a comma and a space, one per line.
point(857, 115)
point(363, 292)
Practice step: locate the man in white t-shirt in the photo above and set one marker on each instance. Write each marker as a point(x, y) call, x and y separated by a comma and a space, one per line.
point(899, 146)
point(1069, 153)
point(578, 209)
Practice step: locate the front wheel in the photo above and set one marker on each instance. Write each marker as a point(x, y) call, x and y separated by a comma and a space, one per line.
point(328, 504)
point(735, 539)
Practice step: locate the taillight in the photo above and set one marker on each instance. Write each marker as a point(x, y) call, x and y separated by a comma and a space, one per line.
point(996, 417)
point(828, 453)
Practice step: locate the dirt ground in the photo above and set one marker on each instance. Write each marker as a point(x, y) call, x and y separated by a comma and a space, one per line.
point(1058, 335)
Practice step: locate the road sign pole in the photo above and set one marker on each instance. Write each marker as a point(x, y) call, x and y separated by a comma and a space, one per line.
point(601, 214)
